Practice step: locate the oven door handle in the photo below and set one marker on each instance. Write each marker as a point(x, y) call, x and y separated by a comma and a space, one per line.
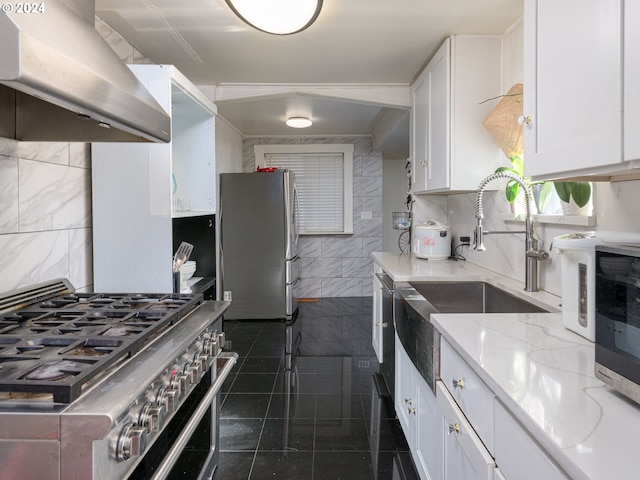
point(382, 277)
point(172, 457)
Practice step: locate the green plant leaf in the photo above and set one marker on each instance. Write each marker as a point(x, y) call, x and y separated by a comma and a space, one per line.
point(506, 169)
point(511, 190)
point(518, 164)
point(581, 193)
point(563, 190)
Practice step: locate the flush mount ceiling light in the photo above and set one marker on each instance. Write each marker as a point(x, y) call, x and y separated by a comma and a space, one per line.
point(298, 122)
point(280, 17)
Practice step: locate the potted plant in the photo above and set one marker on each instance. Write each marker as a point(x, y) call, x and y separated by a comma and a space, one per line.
point(542, 191)
point(579, 192)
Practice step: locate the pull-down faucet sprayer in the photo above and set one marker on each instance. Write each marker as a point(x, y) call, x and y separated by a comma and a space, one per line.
point(533, 253)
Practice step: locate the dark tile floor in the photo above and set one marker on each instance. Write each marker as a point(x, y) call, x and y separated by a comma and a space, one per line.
point(303, 401)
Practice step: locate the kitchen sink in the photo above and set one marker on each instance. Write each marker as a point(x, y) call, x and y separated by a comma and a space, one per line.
point(472, 297)
point(415, 302)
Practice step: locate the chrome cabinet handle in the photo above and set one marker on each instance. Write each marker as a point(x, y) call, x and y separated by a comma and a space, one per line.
point(382, 324)
point(454, 428)
point(458, 383)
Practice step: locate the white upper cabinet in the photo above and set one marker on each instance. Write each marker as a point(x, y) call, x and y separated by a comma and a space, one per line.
point(140, 190)
point(631, 79)
point(191, 153)
point(580, 116)
point(450, 148)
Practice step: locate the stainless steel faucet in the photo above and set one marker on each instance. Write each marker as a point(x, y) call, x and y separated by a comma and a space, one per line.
point(533, 253)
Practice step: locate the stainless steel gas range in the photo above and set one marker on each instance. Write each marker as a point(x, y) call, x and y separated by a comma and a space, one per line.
point(109, 386)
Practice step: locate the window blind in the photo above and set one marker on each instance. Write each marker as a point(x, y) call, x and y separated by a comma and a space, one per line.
point(320, 181)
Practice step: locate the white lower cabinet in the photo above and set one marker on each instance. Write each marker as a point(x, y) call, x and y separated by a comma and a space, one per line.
point(463, 432)
point(471, 394)
point(417, 411)
point(517, 454)
point(464, 455)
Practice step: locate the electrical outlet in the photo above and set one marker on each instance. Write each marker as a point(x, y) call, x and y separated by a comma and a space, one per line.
point(465, 241)
point(226, 296)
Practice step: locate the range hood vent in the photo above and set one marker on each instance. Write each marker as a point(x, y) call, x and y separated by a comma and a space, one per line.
point(60, 81)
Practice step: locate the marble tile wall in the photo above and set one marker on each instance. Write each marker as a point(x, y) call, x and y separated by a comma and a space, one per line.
point(45, 219)
point(45, 204)
point(615, 208)
point(340, 265)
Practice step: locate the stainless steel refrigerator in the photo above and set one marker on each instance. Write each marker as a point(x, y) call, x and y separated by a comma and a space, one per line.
point(258, 248)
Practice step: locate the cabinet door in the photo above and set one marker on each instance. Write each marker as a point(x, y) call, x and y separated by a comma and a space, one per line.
point(376, 328)
point(430, 123)
point(497, 475)
point(428, 450)
point(465, 457)
point(405, 393)
point(420, 93)
point(439, 119)
point(631, 79)
point(573, 81)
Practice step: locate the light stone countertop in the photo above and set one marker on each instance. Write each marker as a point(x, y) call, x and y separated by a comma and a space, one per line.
point(404, 268)
point(542, 373)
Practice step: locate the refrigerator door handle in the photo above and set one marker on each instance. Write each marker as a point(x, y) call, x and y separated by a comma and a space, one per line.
point(296, 215)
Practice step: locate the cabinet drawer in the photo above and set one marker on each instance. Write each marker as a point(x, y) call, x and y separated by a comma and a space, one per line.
point(465, 456)
point(517, 454)
point(469, 391)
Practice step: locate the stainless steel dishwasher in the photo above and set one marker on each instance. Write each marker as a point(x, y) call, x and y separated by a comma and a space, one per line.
point(388, 333)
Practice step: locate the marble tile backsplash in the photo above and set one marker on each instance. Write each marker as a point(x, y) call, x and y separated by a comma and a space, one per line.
point(45, 213)
point(615, 208)
point(334, 265)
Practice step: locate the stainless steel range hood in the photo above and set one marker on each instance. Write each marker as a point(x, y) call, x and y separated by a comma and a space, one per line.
point(60, 81)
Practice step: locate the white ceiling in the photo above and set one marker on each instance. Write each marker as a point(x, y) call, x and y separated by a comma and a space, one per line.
point(355, 43)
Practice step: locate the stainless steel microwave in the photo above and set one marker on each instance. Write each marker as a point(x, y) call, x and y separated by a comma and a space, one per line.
point(617, 306)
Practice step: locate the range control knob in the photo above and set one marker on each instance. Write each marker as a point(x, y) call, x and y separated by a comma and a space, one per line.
point(214, 347)
point(152, 417)
point(169, 397)
point(131, 442)
point(221, 340)
point(202, 359)
point(183, 382)
point(193, 369)
point(206, 346)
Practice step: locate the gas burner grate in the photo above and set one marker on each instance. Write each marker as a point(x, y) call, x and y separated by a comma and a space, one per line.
point(58, 345)
point(30, 366)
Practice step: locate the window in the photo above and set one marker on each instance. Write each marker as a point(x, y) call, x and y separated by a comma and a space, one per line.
point(324, 178)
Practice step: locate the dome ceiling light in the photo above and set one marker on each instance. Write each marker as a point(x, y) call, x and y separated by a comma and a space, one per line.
point(279, 17)
point(299, 122)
